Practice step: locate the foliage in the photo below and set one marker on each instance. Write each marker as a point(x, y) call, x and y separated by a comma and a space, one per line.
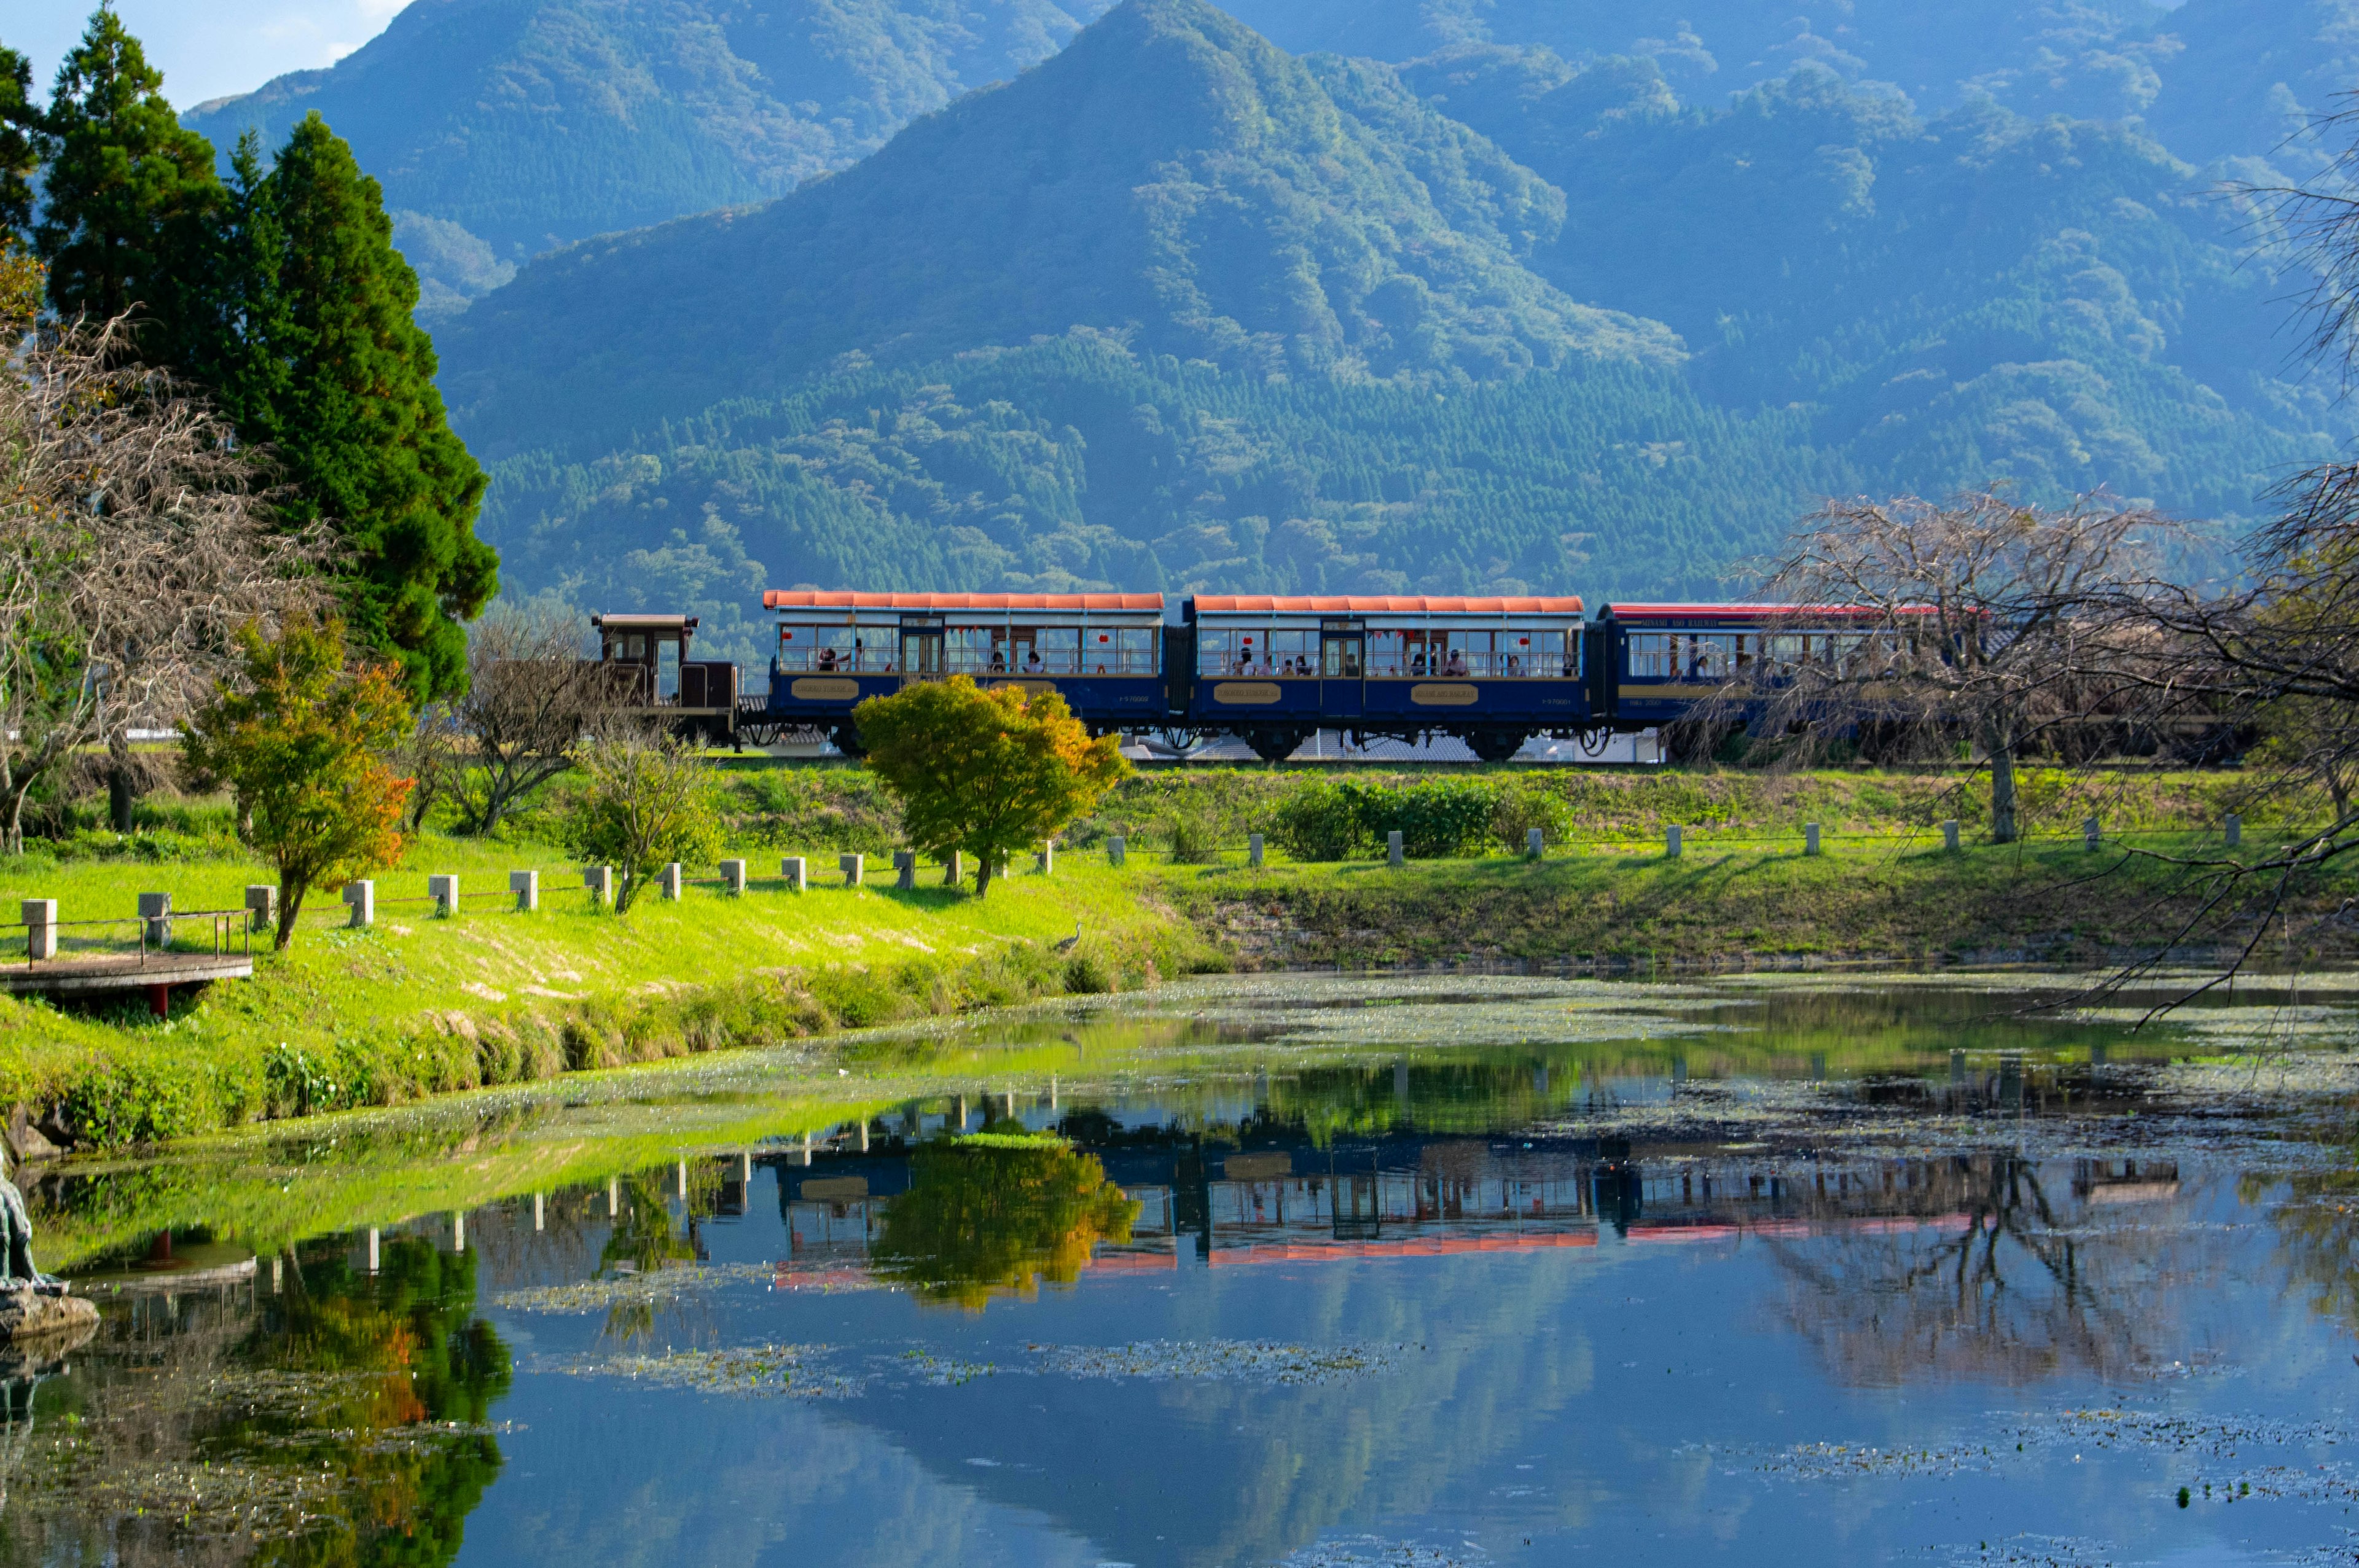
point(320, 359)
point(1436, 818)
point(530, 697)
point(984, 772)
point(644, 800)
point(19, 117)
point(133, 543)
point(981, 1219)
point(301, 743)
point(128, 198)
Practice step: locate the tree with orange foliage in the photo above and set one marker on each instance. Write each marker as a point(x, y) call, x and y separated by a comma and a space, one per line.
point(987, 773)
point(301, 743)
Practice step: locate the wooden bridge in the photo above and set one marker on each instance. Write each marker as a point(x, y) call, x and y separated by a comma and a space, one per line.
point(93, 957)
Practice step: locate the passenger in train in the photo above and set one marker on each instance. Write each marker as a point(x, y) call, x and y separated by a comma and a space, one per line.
point(827, 658)
point(1032, 666)
point(1457, 662)
point(998, 660)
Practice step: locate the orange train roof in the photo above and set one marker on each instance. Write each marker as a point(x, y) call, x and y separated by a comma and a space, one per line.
point(1386, 604)
point(1621, 611)
point(852, 598)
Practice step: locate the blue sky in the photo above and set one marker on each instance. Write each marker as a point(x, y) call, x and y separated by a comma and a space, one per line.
point(206, 48)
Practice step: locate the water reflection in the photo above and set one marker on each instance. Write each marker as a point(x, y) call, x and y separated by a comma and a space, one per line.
point(310, 1412)
point(1590, 1270)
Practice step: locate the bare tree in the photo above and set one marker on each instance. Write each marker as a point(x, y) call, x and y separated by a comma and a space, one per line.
point(531, 698)
point(135, 539)
point(1981, 619)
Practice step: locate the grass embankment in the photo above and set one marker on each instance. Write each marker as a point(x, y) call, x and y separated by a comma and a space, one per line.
point(421, 1005)
point(1884, 888)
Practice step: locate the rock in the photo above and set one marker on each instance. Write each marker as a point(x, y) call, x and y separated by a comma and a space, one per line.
point(25, 1141)
point(28, 1315)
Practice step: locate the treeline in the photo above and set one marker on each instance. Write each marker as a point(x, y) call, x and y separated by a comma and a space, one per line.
point(276, 294)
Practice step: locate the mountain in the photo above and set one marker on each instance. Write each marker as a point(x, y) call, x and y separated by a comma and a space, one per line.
point(1175, 309)
point(2089, 58)
point(500, 128)
point(1170, 178)
point(1982, 295)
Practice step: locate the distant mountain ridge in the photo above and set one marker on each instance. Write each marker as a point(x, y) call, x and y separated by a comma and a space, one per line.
point(500, 128)
point(1170, 178)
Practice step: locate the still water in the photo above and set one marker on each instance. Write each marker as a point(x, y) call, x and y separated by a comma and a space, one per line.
point(1323, 1271)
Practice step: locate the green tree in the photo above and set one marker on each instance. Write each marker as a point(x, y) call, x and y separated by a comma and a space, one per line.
point(317, 356)
point(985, 772)
point(646, 801)
point(129, 199)
point(18, 158)
point(301, 743)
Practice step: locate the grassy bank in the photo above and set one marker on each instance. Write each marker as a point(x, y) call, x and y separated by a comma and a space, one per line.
point(423, 1005)
point(420, 1005)
point(1744, 899)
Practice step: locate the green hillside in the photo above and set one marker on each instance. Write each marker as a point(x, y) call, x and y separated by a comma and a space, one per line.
point(1079, 462)
point(1483, 321)
point(1227, 203)
point(500, 128)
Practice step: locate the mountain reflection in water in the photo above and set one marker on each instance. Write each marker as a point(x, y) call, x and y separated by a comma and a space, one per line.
point(1398, 1305)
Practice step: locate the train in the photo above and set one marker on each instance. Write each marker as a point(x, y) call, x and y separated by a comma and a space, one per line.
point(1493, 671)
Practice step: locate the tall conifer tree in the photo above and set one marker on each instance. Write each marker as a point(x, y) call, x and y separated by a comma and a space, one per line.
point(320, 357)
point(18, 159)
point(129, 199)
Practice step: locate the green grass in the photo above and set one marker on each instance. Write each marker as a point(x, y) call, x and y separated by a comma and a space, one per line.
point(421, 1005)
point(1736, 899)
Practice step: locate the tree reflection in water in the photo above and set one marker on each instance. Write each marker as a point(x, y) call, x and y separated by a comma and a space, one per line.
point(980, 1222)
point(234, 1426)
point(1999, 1283)
point(643, 1241)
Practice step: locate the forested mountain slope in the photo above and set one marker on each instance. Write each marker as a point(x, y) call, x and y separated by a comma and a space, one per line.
point(500, 128)
point(1176, 310)
point(1170, 176)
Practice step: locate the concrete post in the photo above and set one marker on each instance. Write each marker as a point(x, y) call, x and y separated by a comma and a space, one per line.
point(1393, 856)
point(1950, 834)
point(156, 909)
point(600, 881)
point(904, 870)
point(733, 878)
point(262, 905)
point(673, 882)
point(444, 892)
point(2234, 830)
point(1810, 838)
point(853, 867)
point(1045, 862)
point(458, 1230)
point(526, 885)
point(1671, 845)
point(1535, 844)
point(2091, 835)
point(40, 915)
point(1253, 849)
point(1116, 847)
point(539, 1217)
point(792, 867)
point(362, 896)
point(954, 869)
point(371, 1246)
point(860, 1136)
point(1000, 869)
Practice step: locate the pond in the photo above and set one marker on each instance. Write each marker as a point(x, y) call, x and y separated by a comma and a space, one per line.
point(1284, 1270)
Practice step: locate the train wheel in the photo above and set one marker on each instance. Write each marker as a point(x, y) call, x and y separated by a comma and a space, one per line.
point(1275, 743)
point(1495, 742)
point(846, 737)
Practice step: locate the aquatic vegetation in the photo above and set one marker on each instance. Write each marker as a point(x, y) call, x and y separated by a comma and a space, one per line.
point(1218, 1360)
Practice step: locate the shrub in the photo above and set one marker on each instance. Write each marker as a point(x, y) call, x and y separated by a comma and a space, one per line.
point(1320, 821)
point(1436, 819)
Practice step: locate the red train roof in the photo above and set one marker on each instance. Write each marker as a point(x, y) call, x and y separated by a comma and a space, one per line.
point(849, 599)
point(1386, 604)
point(1621, 611)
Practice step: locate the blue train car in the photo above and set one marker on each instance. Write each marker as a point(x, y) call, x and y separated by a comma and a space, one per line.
point(1492, 671)
point(1662, 661)
point(1103, 651)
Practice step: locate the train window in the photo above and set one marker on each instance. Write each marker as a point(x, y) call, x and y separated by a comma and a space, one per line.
point(1383, 652)
point(1293, 653)
point(966, 649)
point(1650, 655)
point(1059, 648)
point(1134, 651)
point(1706, 658)
point(1466, 654)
